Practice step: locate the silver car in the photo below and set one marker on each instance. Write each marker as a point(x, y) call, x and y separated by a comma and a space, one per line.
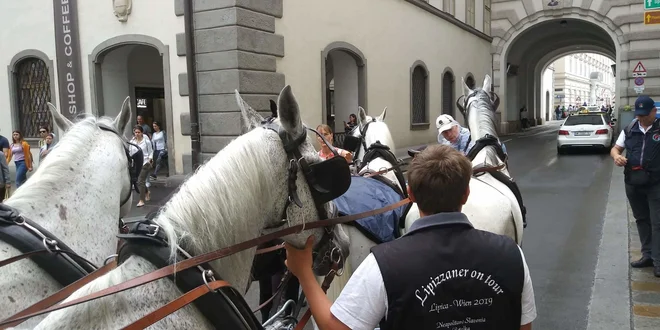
point(590, 130)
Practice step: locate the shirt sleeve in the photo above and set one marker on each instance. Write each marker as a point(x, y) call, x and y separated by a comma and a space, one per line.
point(5, 172)
point(621, 139)
point(528, 304)
point(362, 304)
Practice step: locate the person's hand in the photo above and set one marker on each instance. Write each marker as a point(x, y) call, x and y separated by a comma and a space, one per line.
point(8, 185)
point(299, 261)
point(619, 160)
point(29, 169)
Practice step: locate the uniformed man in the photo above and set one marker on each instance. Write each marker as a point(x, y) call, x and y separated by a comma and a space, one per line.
point(451, 133)
point(442, 274)
point(641, 141)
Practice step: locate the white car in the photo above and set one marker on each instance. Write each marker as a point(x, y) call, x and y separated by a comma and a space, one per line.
point(585, 130)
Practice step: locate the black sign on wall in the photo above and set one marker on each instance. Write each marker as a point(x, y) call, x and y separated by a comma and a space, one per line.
point(67, 48)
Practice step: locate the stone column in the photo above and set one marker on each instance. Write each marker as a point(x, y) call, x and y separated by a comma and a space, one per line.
point(235, 49)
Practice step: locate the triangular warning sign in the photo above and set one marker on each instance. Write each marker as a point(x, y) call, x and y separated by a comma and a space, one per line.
point(639, 67)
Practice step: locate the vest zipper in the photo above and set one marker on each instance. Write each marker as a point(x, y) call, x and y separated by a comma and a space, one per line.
point(641, 157)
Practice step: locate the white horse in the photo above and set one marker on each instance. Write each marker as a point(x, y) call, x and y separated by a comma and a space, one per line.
point(75, 194)
point(234, 197)
point(491, 205)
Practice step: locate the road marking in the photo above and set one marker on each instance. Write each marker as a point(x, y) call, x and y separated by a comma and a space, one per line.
point(552, 161)
point(505, 141)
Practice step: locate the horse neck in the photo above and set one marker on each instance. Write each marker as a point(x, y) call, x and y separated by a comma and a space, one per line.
point(227, 202)
point(69, 196)
point(488, 156)
point(379, 164)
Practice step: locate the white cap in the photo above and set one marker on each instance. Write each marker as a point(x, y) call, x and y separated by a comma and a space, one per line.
point(445, 122)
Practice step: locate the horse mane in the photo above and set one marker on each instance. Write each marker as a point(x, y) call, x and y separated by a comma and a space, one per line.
point(376, 130)
point(215, 207)
point(486, 121)
point(73, 146)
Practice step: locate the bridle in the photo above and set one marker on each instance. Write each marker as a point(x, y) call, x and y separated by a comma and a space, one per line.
point(129, 160)
point(463, 105)
point(353, 143)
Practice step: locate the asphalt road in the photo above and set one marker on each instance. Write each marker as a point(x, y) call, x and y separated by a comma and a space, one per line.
point(565, 198)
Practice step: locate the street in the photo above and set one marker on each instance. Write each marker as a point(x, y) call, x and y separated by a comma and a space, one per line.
point(566, 198)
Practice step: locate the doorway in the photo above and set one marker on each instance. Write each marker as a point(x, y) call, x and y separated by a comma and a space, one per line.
point(150, 104)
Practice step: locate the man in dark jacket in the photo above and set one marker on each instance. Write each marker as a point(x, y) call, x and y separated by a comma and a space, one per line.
point(641, 141)
point(442, 274)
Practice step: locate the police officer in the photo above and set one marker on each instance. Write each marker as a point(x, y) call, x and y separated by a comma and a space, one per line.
point(641, 140)
point(442, 274)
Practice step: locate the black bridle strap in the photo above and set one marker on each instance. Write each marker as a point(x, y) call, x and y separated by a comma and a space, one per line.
point(44, 251)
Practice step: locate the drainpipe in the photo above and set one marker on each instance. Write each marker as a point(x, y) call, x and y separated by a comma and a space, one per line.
point(192, 83)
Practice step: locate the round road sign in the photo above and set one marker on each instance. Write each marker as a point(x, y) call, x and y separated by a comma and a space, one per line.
point(639, 81)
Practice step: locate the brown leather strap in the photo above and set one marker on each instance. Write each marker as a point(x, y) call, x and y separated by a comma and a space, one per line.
point(210, 256)
point(325, 286)
point(279, 289)
point(270, 249)
point(63, 293)
point(43, 251)
point(175, 305)
point(488, 169)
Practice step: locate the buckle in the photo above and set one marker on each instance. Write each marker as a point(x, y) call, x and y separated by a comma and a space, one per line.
point(155, 232)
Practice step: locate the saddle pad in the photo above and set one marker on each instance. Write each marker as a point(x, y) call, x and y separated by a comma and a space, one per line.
point(367, 194)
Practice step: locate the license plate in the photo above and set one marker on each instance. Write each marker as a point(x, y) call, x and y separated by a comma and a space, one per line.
point(582, 133)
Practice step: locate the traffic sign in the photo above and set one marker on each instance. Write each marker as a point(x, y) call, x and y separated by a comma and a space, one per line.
point(639, 81)
point(639, 74)
point(639, 89)
point(652, 17)
point(640, 67)
point(651, 4)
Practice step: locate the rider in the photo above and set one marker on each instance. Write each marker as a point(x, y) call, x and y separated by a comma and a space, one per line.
point(399, 288)
point(451, 133)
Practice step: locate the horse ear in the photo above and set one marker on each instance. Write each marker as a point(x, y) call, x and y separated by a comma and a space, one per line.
point(382, 115)
point(362, 115)
point(487, 84)
point(273, 108)
point(288, 112)
point(124, 116)
point(466, 90)
point(251, 118)
point(62, 122)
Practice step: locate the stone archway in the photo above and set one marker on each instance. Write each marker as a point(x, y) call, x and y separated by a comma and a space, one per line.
point(112, 65)
point(343, 83)
point(600, 26)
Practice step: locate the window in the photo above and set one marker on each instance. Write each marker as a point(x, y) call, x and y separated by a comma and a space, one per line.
point(584, 120)
point(419, 98)
point(449, 7)
point(469, 81)
point(32, 92)
point(469, 12)
point(448, 93)
point(487, 16)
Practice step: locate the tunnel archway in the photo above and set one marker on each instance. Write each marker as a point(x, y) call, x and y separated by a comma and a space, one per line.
point(521, 58)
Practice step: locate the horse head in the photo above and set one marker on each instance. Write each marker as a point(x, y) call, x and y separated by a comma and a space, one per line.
point(311, 183)
point(368, 131)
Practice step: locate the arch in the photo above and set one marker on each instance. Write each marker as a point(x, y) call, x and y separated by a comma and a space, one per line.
point(469, 80)
point(419, 84)
point(361, 62)
point(13, 92)
point(448, 90)
point(96, 82)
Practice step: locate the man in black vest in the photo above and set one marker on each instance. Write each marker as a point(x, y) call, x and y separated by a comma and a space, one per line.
point(641, 141)
point(443, 274)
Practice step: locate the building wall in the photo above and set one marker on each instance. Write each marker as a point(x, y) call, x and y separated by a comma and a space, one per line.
point(392, 36)
point(547, 94)
point(572, 76)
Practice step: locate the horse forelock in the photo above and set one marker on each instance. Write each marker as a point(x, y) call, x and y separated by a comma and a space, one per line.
point(481, 115)
point(74, 145)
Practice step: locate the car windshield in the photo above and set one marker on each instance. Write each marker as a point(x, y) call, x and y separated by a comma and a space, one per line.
point(584, 120)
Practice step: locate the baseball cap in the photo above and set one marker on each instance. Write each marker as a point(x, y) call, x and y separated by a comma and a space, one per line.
point(445, 122)
point(643, 106)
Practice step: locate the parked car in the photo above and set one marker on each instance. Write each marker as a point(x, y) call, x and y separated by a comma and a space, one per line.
point(590, 130)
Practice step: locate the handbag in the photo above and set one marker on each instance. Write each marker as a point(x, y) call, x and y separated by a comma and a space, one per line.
point(637, 177)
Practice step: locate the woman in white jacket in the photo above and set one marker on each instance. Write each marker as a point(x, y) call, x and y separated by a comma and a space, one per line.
point(145, 144)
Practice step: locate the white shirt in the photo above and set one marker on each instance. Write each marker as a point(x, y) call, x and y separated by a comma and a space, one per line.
point(622, 136)
point(363, 302)
point(147, 149)
point(159, 140)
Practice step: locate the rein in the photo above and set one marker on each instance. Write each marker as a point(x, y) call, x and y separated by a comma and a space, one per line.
point(195, 261)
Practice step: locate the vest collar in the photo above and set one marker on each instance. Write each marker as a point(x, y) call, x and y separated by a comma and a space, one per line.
point(440, 219)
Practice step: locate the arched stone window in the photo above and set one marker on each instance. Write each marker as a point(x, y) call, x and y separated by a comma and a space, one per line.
point(448, 92)
point(31, 90)
point(469, 81)
point(419, 96)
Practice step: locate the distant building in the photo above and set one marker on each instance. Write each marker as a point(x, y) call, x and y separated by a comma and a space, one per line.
point(584, 78)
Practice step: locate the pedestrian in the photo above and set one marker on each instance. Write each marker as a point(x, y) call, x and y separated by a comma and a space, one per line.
point(5, 180)
point(46, 146)
point(145, 127)
point(474, 277)
point(159, 139)
point(325, 152)
point(19, 150)
point(4, 145)
point(142, 140)
point(641, 170)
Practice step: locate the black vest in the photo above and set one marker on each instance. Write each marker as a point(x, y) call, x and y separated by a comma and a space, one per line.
point(445, 274)
point(643, 149)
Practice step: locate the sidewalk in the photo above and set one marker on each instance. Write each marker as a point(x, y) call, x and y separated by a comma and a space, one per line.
point(645, 288)
point(159, 193)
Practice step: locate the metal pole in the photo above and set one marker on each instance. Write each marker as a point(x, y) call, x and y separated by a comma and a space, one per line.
point(192, 83)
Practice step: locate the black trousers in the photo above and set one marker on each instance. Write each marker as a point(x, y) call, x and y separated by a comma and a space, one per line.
point(645, 204)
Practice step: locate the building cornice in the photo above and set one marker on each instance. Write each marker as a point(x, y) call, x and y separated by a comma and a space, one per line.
point(451, 19)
